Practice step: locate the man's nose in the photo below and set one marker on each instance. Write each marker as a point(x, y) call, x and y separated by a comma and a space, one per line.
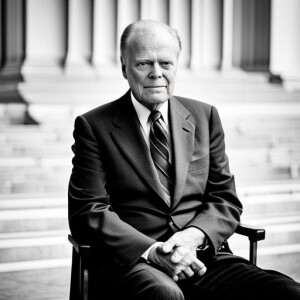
point(155, 71)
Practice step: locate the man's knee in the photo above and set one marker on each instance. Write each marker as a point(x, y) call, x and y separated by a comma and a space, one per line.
point(290, 290)
point(144, 282)
point(281, 288)
point(167, 292)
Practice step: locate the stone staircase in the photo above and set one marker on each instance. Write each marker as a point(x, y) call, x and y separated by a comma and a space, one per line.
point(35, 256)
point(262, 126)
point(274, 206)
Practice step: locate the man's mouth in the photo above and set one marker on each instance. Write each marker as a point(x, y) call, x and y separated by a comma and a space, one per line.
point(155, 87)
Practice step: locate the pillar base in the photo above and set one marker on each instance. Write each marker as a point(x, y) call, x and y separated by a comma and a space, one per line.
point(291, 84)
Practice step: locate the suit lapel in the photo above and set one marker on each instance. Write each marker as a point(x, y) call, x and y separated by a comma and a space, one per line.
point(182, 133)
point(127, 135)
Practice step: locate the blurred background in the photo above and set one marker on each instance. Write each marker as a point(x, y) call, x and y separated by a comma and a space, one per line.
point(60, 58)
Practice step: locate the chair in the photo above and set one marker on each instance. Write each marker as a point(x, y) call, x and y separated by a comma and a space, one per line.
point(82, 252)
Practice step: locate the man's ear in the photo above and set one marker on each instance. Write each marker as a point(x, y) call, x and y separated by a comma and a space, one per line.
point(123, 67)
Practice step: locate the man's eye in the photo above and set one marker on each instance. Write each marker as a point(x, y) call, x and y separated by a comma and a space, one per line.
point(143, 64)
point(166, 63)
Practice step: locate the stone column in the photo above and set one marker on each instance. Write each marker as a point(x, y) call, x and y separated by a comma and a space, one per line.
point(12, 49)
point(104, 34)
point(227, 35)
point(197, 34)
point(180, 16)
point(285, 42)
point(251, 33)
point(155, 10)
point(128, 11)
point(79, 38)
point(46, 37)
point(206, 34)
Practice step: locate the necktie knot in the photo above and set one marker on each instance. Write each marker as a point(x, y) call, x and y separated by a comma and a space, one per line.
point(154, 116)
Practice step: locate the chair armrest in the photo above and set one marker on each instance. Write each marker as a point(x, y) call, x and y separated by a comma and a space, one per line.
point(83, 250)
point(253, 233)
point(83, 253)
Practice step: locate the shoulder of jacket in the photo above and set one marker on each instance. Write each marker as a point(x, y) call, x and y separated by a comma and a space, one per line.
point(195, 106)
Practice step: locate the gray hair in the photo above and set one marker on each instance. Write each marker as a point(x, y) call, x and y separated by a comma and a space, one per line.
point(138, 24)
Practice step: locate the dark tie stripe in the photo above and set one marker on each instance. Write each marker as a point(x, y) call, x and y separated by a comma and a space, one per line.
point(160, 149)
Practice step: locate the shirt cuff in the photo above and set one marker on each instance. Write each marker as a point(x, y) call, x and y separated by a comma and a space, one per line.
point(146, 253)
point(204, 246)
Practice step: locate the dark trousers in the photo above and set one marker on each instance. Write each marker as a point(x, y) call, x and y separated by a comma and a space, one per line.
point(227, 276)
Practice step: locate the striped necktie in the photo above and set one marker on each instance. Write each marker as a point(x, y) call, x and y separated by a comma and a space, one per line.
point(160, 153)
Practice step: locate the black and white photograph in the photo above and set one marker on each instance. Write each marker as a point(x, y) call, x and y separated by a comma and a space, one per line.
point(149, 149)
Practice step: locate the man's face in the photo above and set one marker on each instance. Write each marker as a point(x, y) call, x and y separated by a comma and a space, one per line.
point(150, 65)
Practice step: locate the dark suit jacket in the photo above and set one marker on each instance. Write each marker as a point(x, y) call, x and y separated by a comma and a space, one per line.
point(115, 200)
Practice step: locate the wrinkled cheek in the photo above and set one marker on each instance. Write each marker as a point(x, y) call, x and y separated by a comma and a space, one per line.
point(138, 90)
point(170, 89)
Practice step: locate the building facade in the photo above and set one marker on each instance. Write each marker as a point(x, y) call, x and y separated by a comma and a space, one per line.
point(81, 37)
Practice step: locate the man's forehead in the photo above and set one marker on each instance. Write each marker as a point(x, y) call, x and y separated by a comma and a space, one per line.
point(150, 38)
point(155, 53)
point(149, 33)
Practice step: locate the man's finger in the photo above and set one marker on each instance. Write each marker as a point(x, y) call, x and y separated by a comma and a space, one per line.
point(175, 277)
point(167, 246)
point(188, 272)
point(202, 271)
point(198, 266)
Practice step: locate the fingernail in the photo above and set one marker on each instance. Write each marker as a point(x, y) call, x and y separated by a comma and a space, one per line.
point(203, 271)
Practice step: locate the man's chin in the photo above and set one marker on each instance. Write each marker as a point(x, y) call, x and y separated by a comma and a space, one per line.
point(153, 102)
point(157, 97)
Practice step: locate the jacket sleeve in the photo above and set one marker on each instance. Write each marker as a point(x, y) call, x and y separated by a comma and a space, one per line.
point(91, 217)
point(221, 215)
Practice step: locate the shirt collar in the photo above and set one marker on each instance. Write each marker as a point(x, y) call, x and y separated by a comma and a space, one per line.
point(143, 112)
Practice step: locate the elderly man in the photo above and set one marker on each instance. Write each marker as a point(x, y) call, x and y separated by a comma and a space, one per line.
point(152, 191)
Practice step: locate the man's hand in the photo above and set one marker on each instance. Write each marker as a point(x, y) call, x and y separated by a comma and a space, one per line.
point(177, 256)
point(191, 238)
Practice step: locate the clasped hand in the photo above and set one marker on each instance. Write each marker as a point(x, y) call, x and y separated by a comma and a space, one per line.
point(177, 256)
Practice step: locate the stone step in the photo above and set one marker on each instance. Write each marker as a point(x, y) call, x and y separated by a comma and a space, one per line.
point(28, 246)
point(267, 143)
point(31, 187)
point(38, 150)
point(260, 124)
point(258, 174)
point(32, 201)
point(279, 231)
point(12, 113)
point(34, 219)
point(264, 205)
point(265, 188)
point(40, 177)
point(42, 283)
point(274, 156)
point(29, 134)
point(11, 162)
